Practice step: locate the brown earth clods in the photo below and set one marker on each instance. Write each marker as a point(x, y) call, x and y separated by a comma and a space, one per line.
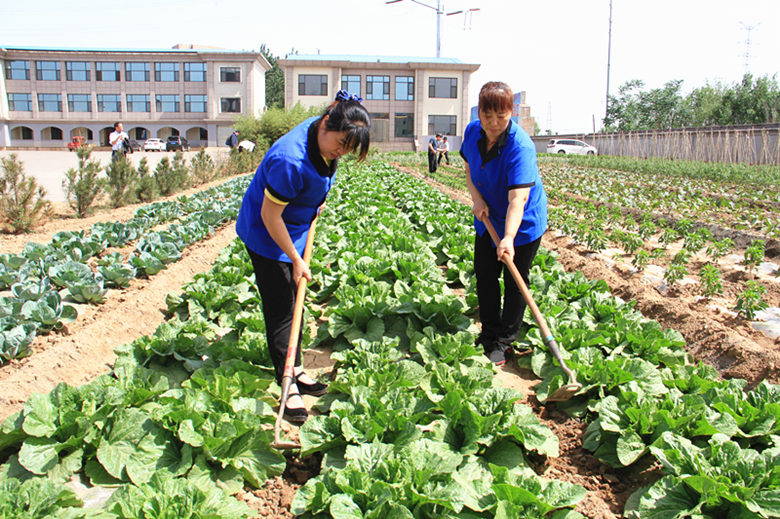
point(85, 350)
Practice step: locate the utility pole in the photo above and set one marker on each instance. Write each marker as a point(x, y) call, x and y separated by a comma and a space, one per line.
point(748, 29)
point(609, 57)
point(439, 8)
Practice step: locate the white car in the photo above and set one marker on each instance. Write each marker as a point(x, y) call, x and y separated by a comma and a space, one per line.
point(570, 146)
point(154, 145)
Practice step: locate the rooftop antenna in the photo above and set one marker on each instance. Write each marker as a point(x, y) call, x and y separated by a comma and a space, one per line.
point(748, 29)
point(439, 8)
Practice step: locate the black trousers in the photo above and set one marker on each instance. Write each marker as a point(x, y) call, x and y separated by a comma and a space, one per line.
point(432, 161)
point(445, 156)
point(500, 326)
point(277, 291)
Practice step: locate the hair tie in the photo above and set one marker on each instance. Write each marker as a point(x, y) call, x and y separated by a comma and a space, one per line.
point(343, 95)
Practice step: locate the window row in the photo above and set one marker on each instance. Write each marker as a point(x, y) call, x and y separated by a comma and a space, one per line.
point(113, 103)
point(404, 125)
point(378, 87)
point(111, 71)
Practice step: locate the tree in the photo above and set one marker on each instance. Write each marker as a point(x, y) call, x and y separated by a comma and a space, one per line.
point(274, 80)
point(83, 185)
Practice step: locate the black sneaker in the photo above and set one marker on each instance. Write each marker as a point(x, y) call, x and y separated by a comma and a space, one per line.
point(315, 389)
point(497, 357)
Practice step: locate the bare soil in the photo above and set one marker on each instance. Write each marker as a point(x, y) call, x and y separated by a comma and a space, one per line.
point(85, 350)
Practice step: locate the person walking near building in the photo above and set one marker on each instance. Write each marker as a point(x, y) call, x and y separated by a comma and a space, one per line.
point(117, 140)
point(290, 185)
point(433, 145)
point(443, 150)
point(232, 140)
point(505, 186)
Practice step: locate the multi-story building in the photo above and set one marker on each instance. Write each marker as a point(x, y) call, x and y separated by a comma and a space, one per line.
point(48, 96)
point(409, 99)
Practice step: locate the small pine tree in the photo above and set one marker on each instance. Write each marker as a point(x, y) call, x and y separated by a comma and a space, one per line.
point(202, 167)
point(171, 176)
point(122, 180)
point(146, 187)
point(83, 185)
point(22, 201)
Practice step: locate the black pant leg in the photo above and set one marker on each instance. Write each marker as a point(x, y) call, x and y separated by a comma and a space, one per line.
point(487, 268)
point(514, 303)
point(431, 162)
point(277, 291)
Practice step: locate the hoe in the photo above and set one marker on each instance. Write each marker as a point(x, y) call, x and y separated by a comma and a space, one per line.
point(566, 391)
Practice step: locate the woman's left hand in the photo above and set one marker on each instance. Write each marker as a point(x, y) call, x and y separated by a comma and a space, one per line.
point(506, 246)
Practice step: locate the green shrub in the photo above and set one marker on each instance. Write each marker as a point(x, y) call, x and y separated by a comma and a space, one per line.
point(146, 186)
point(83, 186)
point(202, 167)
point(170, 177)
point(22, 201)
point(751, 300)
point(122, 180)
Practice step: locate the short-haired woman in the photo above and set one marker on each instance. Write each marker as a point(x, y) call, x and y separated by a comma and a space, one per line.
point(279, 205)
point(505, 186)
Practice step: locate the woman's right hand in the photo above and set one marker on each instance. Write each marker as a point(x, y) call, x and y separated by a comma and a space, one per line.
point(300, 269)
point(480, 209)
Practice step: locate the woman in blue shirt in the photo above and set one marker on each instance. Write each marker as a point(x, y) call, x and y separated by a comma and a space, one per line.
point(505, 186)
point(279, 205)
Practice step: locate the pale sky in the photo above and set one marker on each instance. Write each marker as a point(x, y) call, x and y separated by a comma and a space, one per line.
point(555, 50)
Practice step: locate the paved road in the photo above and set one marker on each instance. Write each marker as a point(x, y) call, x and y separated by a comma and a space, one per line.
point(49, 167)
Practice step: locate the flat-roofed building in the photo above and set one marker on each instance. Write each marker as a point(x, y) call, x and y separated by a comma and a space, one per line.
point(48, 96)
point(409, 98)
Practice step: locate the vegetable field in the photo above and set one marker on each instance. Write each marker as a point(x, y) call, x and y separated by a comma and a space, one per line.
point(416, 423)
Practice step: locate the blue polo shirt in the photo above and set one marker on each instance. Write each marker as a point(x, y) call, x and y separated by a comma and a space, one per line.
point(510, 164)
point(293, 173)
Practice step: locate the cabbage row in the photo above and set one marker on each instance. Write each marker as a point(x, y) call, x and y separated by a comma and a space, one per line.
point(43, 278)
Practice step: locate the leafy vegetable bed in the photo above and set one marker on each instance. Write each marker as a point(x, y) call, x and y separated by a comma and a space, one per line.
point(413, 425)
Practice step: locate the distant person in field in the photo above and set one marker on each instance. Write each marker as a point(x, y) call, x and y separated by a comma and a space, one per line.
point(433, 145)
point(117, 141)
point(443, 150)
point(288, 189)
point(505, 186)
point(232, 140)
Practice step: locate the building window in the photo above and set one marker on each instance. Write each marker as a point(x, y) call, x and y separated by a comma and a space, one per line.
point(230, 104)
point(378, 87)
point(79, 102)
point(107, 71)
point(444, 124)
point(380, 127)
point(17, 70)
point(351, 84)
point(404, 88)
point(195, 72)
point(404, 125)
point(49, 103)
point(167, 103)
point(138, 103)
point(77, 71)
point(47, 70)
point(195, 103)
point(109, 103)
point(312, 85)
point(230, 74)
point(443, 87)
point(136, 71)
point(20, 102)
point(52, 133)
point(166, 71)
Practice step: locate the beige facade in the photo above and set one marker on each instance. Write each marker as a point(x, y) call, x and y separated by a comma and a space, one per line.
point(48, 96)
point(409, 99)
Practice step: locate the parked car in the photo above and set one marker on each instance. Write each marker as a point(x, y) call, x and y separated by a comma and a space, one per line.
point(77, 142)
point(570, 146)
point(154, 144)
point(177, 143)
